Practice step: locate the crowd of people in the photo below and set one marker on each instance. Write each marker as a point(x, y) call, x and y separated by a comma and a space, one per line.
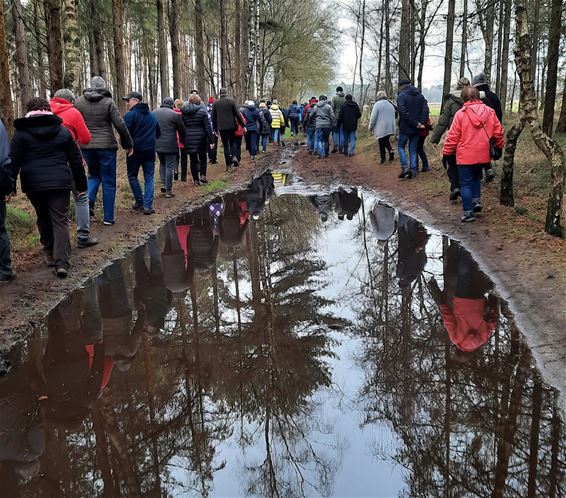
point(54, 141)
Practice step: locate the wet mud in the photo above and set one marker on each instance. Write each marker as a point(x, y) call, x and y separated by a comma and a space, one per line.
point(286, 340)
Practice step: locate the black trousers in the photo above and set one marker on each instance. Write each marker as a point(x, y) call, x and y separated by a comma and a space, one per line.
point(229, 143)
point(384, 144)
point(198, 164)
point(52, 209)
point(452, 172)
point(213, 153)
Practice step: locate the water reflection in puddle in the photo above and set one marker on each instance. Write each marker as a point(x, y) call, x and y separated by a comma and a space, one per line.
point(282, 345)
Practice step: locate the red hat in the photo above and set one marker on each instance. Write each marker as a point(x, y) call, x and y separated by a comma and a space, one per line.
point(210, 100)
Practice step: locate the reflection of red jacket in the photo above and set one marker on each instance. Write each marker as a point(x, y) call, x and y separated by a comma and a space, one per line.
point(239, 127)
point(72, 119)
point(474, 124)
point(467, 316)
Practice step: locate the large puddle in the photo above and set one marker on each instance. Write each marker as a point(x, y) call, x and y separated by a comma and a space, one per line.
point(283, 342)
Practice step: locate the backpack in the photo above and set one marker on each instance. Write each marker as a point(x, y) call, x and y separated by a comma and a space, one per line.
point(294, 112)
point(263, 124)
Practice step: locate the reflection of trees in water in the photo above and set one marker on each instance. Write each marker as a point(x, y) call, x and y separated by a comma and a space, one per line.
point(481, 425)
point(240, 356)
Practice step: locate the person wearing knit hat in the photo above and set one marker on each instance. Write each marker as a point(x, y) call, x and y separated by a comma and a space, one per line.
point(212, 151)
point(102, 116)
point(62, 105)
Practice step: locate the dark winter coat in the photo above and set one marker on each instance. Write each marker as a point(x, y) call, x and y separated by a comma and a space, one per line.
point(453, 104)
point(46, 155)
point(491, 100)
point(294, 112)
point(224, 115)
point(413, 109)
point(170, 123)
point(349, 116)
point(143, 127)
point(100, 114)
point(265, 122)
point(198, 132)
point(252, 117)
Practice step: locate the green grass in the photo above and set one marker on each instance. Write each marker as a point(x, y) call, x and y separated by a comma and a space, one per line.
point(21, 227)
point(214, 186)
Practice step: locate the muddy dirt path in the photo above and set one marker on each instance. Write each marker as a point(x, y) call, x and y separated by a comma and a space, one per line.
point(528, 266)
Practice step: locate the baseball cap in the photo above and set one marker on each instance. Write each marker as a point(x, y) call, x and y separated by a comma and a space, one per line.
point(133, 95)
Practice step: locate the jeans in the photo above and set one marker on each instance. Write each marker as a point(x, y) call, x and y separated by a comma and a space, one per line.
point(251, 142)
point(167, 164)
point(102, 170)
point(5, 261)
point(311, 141)
point(52, 209)
point(294, 125)
point(228, 142)
point(82, 216)
point(349, 142)
point(413, 141)
point(263, 139)
point(338, 139)
point(452, 172)
point(470, 185)
point(384, 144)
point(276, 132)
point(146, 161)
point(322, 138)
point(198, 165)
point(422, 154)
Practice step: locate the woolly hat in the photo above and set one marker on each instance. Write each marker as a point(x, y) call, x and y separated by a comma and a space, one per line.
point(405, 82)
point(97, 83)
point(168, 102)
point(479, 79)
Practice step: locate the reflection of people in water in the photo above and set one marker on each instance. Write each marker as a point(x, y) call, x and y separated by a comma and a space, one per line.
point(324, 204)
point(383, 221)
point(150, 289)
point(120, 339)
point(259, 193)
point(234, 221)
point(347, 203)
point(468, 316)
point(22, 437)
point(412, 259)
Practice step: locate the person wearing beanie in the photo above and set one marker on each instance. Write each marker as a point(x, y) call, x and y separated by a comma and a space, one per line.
point(171, 126)
point(452, 105)
point(62, 105)
point(348, 119)
point(413, 116)
point(102, 116)
point(325, 120)
point(490, 99)
point(212, 151)
point(338, 133)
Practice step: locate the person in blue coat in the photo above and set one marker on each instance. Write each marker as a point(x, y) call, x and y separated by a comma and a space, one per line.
point(144, 129)
point(413, 115)
point(6, 189)
point(253, 118)
point(294, 117)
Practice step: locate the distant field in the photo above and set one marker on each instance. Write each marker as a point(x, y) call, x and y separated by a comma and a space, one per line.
point(434, 109)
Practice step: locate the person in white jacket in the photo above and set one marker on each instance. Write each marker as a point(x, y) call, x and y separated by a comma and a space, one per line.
point(382, 124)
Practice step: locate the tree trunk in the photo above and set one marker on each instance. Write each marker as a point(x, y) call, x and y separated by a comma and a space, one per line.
point(119, 57)
point(72, 47)
point(98, 42)
point(54, 43)
point(561, 126)
point(253, 11)
point(6, 109)
point(162, 49)
point(505, 55)
point(552, 62)
point(405, 45)
point(464, 43)
point(534, 25)
point(24, 79)
point(388, 82)
point(41, 80)
point(175, 51)
point(199, 42)
point(448, 49)
point(507, 197)
point(362, 42)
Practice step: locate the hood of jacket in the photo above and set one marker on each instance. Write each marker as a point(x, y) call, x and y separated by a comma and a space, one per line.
point(142, 108)
point(350, 103)
point(321, 103)
point(59, 105)
point(190, 108)
point(477, 112)
point(274, 107)
point(456, 96)
point(340, 94)
point(251, 107)
point(95, 95)
point(411, 90)
point(42, 127)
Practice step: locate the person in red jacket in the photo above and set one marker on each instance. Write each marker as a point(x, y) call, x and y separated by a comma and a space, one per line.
point(474, 126)
point(62, 105)
point(468, 316)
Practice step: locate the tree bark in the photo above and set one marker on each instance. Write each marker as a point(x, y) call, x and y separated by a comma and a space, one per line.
point(72, 47)
point(162, 49)
point(404, 45)
point(119, 58)
point(98, 41)
point(175, 51)
point(505, 54)
point(552, 62)
point(199, 42)
point(448, 49)
point(54, 43)
point(464, 43)
point(6, 109)
point(388, 82)
point(561, 126)
point(24, 78)
point(362, 42)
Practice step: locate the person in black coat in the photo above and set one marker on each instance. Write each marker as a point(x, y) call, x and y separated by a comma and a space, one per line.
point(348, 119)
point(198, 137)
point(50, 163)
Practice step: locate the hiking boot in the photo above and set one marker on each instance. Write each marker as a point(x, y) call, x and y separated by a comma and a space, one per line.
point(148, 211)
point(137, 207)
point(61, 272)
point(169, 195)
point(88, 242)
point(425, 170)
point(7, 278)
point(455, 194)
point(163, 190)
point(196, 183)
point(203, 179)
point(236, 163)
point(334, 149)
point(412, 175)
point(468, 217)
point(489, 175)
point(476, 207)
point(382, 161)
point(404, 174)
point(49, 261)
